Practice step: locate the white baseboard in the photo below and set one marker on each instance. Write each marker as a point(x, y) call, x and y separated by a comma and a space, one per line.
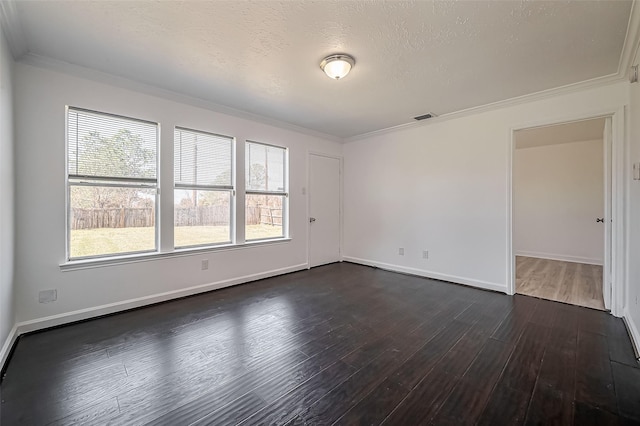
point(634, 331)
point(429, 274)
point(8, 344)
point(87, 313)
point(561, 257)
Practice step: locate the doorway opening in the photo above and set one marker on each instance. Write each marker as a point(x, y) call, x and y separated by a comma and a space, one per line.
point(561, 212)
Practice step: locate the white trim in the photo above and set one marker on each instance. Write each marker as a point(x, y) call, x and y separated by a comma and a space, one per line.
point(110, 308)
point(634, 332)
point(618, 190)
point(429, 274)
point(308, 206)
point(149, 89)
point(341, 257)
point(511, 259)
point(561, 257)
point(619, 226)
point(607, 147)
point(628, 56)
point(145, 88)
point(74, 265)
point(8, 344)
point(531, 97)
point(631, 41)
point(626, 290)
point(30, 58)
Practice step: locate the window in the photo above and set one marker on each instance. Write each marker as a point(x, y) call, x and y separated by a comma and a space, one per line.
point(111, 184)
point(266, 191)
point(203, 166)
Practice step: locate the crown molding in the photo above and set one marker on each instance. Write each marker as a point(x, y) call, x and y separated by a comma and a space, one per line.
point(106, 78)
point(148, 89)
point(631, 42)
point(628, 56)
point(518, 100)
point(12, 26)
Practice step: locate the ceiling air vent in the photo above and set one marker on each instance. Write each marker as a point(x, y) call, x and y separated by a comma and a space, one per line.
point(424, 116)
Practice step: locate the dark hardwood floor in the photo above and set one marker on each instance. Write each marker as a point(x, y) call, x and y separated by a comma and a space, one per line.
point(339, 344)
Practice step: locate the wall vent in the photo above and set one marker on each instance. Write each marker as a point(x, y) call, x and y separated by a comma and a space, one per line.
point(424, 116)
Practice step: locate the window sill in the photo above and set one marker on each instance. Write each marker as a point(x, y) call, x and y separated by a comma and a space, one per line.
point(74, 265)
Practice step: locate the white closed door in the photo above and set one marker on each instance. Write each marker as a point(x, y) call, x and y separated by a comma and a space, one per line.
point(324, 210)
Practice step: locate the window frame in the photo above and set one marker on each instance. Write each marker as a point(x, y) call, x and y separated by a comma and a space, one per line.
point(285, 193)
point(227, 188)
point(105, 181)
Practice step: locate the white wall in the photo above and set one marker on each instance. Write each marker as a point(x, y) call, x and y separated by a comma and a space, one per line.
point(558, 192)
point(633, 307)
point(7, 317)
point(41, 96)
point(443, 187)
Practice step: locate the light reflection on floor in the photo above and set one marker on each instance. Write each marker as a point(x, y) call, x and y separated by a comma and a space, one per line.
point(149, 367)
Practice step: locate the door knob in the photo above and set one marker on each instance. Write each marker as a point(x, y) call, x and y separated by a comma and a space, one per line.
point(312, 219)
point(600, 219)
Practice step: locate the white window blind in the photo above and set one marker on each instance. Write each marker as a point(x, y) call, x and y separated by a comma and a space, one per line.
point(202, 159)
point(108, 146)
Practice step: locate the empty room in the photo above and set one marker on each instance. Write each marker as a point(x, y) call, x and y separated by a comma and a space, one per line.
point(335, 212)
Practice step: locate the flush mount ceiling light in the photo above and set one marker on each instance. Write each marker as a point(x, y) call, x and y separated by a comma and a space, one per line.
point(337, 66)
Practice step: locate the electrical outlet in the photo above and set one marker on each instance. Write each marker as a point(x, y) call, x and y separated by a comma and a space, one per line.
point(401, 251)
point(48, 296)
point(425, 254)
point(205, 264)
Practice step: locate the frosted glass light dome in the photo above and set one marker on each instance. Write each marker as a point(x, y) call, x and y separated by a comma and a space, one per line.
point(337, 66)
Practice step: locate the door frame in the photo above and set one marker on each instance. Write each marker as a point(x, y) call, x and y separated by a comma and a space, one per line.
point(616, 199)
point(340, 201)
point(607, 148)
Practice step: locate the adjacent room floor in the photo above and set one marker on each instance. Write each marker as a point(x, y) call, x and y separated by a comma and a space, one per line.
point(338, 344)
point(575, 283)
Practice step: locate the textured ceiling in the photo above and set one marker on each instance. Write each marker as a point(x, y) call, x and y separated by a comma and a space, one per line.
point(412, 57)
point(577, 131)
